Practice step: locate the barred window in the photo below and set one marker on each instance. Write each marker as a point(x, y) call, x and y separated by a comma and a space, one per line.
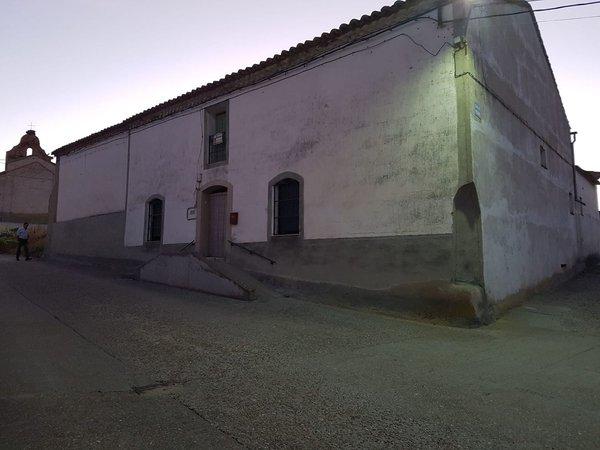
point(571, 203)
point(155, 214)
point(286, 207)
point(217, 145)
point(543, 157)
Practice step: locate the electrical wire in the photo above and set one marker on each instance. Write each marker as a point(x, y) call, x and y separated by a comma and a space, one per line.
point(296, 70)
point(574, 4)
point(285, 74)
point(515, 13)
point(569, 18)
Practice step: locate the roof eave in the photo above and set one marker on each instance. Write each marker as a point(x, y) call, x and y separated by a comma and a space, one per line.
point(302, 53)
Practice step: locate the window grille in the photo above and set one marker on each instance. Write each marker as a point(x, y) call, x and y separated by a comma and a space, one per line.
point(543, 157)
point(217, 145)
point(571, 203)
point(286, 207)
point(155, 212)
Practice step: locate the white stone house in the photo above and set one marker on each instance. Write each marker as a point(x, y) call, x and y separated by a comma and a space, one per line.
point(422, 150)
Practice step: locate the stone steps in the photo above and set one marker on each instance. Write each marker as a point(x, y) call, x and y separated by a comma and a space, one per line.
point(189, 272)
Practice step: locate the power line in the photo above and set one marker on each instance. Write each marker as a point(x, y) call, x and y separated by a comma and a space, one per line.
point(553, 8)
point(569, 18)
point(273, 79)
point(285, 74)
point(572, 5)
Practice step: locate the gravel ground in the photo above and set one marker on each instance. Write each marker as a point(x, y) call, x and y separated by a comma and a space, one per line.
point(90, 360)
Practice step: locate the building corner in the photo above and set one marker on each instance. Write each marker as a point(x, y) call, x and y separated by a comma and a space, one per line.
point(468, 261)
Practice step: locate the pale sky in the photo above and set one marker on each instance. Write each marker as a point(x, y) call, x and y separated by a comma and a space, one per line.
point(73, 67)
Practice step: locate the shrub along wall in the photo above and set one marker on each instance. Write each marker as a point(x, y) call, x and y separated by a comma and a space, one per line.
point(37, 239)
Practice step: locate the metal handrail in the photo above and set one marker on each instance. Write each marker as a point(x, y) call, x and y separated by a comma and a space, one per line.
point(252, 252)
point(187, 246)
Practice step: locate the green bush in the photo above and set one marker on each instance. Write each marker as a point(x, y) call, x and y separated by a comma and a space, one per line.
point(9, 242)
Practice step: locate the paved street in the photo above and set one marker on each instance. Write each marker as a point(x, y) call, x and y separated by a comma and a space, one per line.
point(89, 360)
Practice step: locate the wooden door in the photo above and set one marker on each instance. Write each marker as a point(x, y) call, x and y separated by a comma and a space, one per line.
point(217, 205)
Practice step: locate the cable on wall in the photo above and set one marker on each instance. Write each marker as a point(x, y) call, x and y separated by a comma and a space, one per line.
point(569, 18)
point(529, 11)
point(508, 108)
point(282, 76)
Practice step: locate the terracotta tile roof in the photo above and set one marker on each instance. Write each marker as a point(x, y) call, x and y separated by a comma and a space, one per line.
point(345, 34)
point(589, 175)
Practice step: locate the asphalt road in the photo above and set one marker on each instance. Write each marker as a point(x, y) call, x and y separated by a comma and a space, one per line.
point(92, 361)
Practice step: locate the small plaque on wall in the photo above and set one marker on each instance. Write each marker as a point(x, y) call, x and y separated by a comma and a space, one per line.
point(191, 214)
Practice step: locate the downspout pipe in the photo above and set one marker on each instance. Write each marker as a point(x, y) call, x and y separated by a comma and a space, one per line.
point(578, 233)
point(127, 182)
point(573, 140)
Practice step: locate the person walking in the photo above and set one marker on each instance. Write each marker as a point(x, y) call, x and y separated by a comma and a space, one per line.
point(23, 237)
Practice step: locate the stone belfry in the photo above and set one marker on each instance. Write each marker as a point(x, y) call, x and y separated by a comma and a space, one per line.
point(28, 141)
point(27, 183)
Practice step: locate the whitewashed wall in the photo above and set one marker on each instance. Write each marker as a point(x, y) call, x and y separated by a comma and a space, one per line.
point(373, 135)
point(528, 231)
point(92, 182)
point(164, 159)
point(588, 216)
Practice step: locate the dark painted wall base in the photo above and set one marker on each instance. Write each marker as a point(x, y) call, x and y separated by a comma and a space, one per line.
point(369, 263)
point(100, 236)
point(458, 304)
point(97, 236)
point(403, 273)
point(548, 284)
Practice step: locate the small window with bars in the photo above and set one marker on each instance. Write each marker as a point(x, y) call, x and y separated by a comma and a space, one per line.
point(571, 204)
point(543, 157)
point(286, 207)
point(155, 215)
point(217, 141)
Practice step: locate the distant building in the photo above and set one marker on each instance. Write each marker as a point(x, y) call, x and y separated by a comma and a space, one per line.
point(26, 183)
point(585, 206)
point(421, 151)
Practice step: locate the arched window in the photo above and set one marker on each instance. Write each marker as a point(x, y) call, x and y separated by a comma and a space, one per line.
point(155, 220)
point(286, 207)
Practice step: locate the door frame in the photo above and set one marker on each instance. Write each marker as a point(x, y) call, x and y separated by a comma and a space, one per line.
point(203, 216)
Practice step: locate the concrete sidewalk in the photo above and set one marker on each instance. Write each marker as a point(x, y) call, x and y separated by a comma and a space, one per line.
point(93, 361)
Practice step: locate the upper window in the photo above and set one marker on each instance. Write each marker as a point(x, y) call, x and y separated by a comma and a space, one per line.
point(571, 203)
point(543, 157)
point(217, 134)
point(286, 207)
point(155, 215)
